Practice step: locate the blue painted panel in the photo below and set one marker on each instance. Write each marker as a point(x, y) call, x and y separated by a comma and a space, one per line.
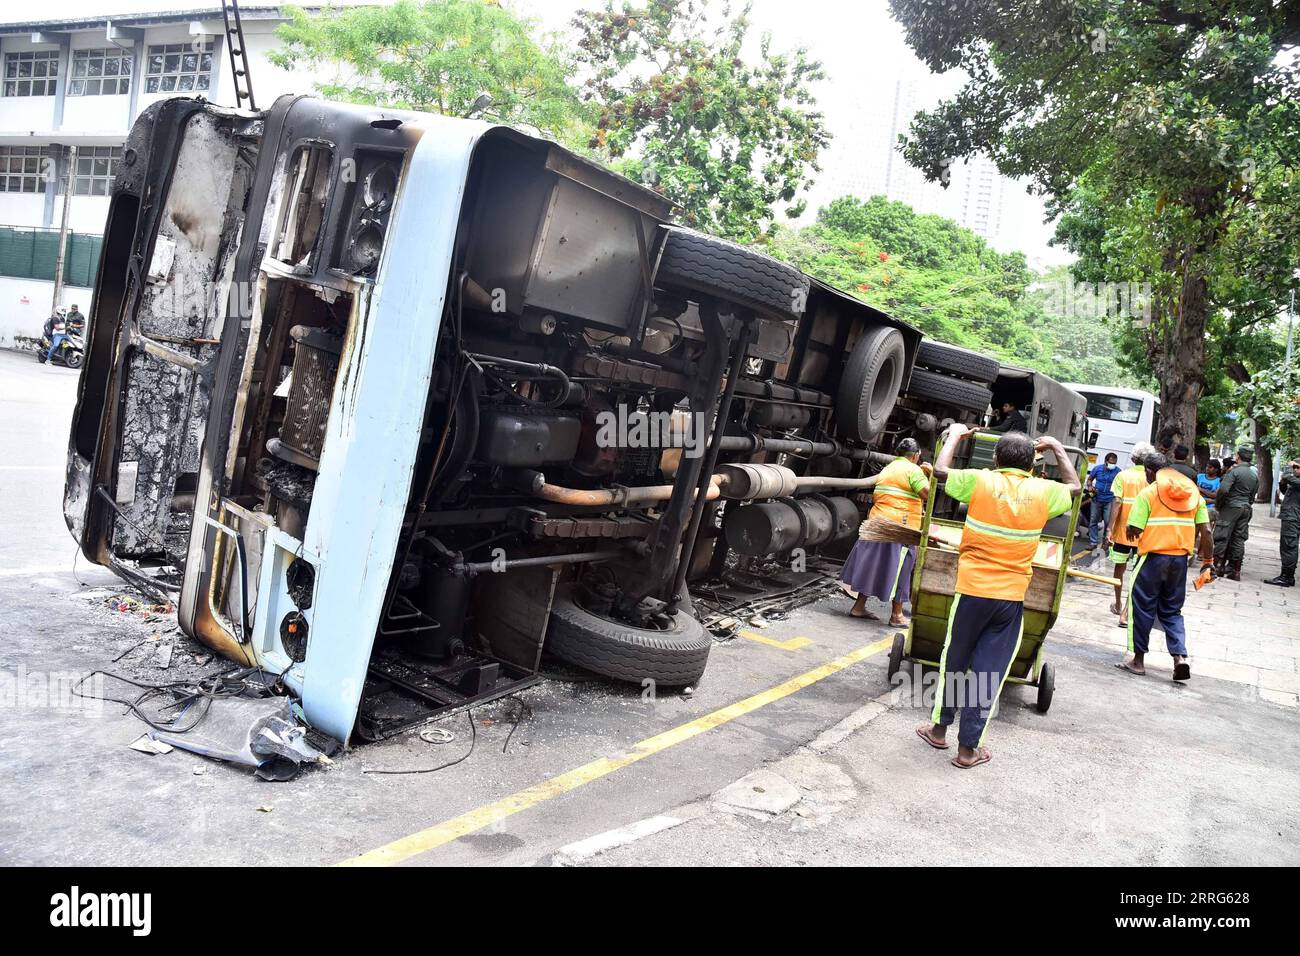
point(374, 426)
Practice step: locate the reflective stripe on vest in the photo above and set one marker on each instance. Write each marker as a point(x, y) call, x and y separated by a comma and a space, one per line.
point(894, 498)
point(1127, 486)
point(1004, 521)
point(1170, 531)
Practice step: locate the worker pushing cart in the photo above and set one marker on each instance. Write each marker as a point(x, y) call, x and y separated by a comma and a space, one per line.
point(1007, 509)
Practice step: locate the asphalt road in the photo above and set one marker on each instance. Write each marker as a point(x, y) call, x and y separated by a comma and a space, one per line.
point(1120, 771)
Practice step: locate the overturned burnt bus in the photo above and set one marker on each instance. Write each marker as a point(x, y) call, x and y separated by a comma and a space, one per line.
point(393, 400)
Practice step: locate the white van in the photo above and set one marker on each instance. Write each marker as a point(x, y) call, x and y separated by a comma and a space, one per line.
point(1118, 418)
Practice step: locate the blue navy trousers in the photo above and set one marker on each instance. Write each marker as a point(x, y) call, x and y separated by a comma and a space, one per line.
point(1159, 588)
point(982, 641)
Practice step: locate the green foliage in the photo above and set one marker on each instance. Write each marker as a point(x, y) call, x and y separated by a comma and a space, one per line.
point(1163, 130)
point(726, 140)
point(945, 280)
point(1253, 269)
point(438, 56)
point(1274, 394)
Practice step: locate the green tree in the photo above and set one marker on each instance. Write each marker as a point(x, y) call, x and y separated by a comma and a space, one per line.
point(726, 140)
point(1162, 127)
point(438, 56)
point(947, 281)
point(1274, 394)
point(1080, 321)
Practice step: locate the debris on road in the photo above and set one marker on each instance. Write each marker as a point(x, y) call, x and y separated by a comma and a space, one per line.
point(147, 745)
point(259, 733)
point(239, 716)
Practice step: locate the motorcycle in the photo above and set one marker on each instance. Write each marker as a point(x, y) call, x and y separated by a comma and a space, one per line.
point(70, 350)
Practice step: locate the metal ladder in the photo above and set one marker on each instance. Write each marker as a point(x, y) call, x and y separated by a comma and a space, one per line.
point(238, 55)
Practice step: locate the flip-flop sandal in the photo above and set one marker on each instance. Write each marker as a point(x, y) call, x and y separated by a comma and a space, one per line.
point(1124, 666)
point(864, 616)
point(920, 732)
point(984, 756)
point(1114, 608)
point(1182, 671)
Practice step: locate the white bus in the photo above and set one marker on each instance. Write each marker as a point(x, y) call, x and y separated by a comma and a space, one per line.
point(1118, 418)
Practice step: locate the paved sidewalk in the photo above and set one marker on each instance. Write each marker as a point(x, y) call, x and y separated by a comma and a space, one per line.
point(1243, 631)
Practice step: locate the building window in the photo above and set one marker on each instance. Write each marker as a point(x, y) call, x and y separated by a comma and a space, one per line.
point(96, 167)
point(178, 68)
point(22, 169)
point(31, 73)
point(100, 72)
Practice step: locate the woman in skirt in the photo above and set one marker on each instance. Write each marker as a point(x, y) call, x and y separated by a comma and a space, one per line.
point(880, 569)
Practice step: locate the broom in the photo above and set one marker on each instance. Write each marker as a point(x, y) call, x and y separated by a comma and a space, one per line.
point(891, 532)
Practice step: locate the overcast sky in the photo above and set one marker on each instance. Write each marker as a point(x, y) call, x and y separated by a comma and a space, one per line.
point(855, 39)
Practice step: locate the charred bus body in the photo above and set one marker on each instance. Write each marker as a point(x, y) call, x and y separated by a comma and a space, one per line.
point(390, 400)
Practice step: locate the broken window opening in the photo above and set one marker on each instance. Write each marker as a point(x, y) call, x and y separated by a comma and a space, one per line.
point(308, 178)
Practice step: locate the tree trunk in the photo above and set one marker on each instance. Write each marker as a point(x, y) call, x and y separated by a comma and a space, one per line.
point(1182, 372)
point(1264, 468)
point(1177, 344)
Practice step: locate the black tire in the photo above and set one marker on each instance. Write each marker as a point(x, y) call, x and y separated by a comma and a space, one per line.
point(40, 356)
point(1046, 685)
point(869, 386)
point(969, 396)
point(73, 360)
point(957, 362)
point(671, 658)
point(694, 262)
point(895, 657)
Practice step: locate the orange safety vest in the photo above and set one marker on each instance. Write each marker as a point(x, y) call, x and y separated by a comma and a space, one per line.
point(893, 497)
point(1171, 526)
point(1126, 488)
point(1004, 521)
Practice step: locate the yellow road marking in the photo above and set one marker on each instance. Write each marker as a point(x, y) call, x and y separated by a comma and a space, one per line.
point(1076, 557)
point(480, 817)
point(793, 644)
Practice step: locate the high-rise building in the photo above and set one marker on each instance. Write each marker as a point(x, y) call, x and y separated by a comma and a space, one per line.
point(864, 160)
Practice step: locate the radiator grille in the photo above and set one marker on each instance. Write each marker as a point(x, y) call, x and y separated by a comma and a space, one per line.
point(315, 364)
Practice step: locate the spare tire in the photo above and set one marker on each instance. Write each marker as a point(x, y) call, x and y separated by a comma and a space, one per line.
point(930, 386)
point(958, 362)
point(672, 658)
point(694, 262)
point(870, 383)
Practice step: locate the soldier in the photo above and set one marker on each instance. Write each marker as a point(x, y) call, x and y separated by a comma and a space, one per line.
point(1235, 503)
point(1289, 487)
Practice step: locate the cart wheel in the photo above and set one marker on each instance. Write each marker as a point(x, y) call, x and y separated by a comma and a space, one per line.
point(895, 657)
point(1046, 684)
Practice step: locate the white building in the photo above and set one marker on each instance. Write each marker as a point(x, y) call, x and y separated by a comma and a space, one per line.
point(81, 83)
point(863, 160)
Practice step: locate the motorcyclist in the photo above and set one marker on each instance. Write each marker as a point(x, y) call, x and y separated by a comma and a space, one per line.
point(76, 321)
point(56, 329)
point(64, 325)
point(53, 324)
